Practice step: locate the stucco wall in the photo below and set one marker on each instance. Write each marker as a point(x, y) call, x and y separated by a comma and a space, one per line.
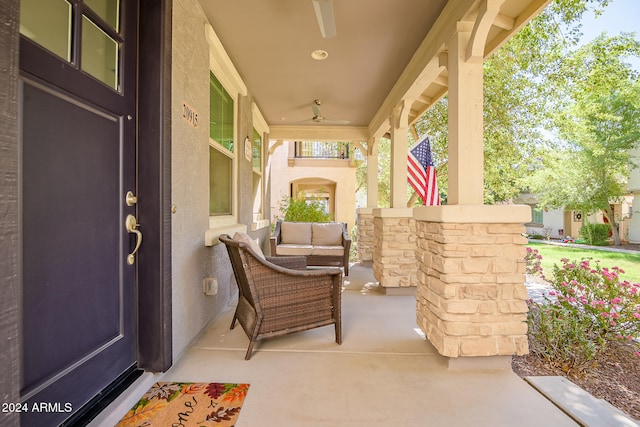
point(344, 177)
point(191, 260)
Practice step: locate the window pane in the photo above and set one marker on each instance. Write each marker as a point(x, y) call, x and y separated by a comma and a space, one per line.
point(257, 151)
point(221, 114)
point(99, 54)
point(220, 183)
point(109, 10)
point(48, 23)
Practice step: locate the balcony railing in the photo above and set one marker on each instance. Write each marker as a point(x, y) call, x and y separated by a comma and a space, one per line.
point(321, 150)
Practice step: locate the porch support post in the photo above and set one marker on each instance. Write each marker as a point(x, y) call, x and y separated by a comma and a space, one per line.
point(394, 261)
point(466, 161)
point(372, 173)
point(394, 252)
point(470, 296)
point(399, 150)
point(366, 234)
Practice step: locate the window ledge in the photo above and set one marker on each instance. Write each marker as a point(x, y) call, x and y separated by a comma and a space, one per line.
point(261, 223)
point(212, 234)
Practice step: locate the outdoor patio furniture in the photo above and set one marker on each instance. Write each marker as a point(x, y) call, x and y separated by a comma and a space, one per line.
point(279, 296)
point(324, 244)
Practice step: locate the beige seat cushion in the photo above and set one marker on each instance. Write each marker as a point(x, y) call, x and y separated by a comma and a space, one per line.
point(289, 249)
point(295, 233)
point(328, 250)
point(326, 234)
point(247, 240)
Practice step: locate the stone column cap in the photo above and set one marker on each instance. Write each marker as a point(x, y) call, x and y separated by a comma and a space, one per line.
point(484, 214)
point(393, 212)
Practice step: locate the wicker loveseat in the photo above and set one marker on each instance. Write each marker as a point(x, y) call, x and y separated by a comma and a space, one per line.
point(278, 296)
point(324, 244)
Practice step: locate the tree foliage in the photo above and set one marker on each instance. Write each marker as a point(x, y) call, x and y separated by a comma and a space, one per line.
point(598, 122)
point(558, 120)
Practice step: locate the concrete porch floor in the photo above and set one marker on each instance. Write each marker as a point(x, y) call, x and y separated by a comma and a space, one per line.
point(385, 373)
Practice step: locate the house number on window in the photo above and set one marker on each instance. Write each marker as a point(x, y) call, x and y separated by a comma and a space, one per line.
point(189, 115)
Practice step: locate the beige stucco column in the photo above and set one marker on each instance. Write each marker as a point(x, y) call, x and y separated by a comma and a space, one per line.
point(372, 172)
point(399, 150)
point(366, 234)
point(466, 157)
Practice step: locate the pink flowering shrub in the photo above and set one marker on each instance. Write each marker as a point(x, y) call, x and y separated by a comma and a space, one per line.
point(594, 306)
point(532, 262)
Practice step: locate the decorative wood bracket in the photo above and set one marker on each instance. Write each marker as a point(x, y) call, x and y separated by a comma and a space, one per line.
point(487, 14)
point(400, 115)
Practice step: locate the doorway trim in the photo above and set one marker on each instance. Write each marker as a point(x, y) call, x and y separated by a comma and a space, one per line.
point(154, 186)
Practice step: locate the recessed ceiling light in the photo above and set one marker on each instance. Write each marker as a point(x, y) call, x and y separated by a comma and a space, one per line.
point(319, 55)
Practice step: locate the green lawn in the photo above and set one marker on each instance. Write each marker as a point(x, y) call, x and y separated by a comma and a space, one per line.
point(552, 254)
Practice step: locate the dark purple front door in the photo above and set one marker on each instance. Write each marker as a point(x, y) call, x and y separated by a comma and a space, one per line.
point(78, 160)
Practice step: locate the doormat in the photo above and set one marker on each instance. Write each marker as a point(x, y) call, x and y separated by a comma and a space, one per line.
point(187, 404)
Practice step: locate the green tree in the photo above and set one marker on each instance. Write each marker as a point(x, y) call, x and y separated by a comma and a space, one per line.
point(598, 123)
point(523, 84)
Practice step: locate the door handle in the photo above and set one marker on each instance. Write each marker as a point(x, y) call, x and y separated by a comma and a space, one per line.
point(131, 224)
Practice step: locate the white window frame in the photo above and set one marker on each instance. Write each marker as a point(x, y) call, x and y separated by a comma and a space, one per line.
point(223, 69)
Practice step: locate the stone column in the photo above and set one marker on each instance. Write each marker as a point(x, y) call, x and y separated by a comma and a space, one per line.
point(471, 296)
point(366, 234)
point(394, 260)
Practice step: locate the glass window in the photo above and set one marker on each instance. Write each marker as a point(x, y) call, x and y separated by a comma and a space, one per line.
point(99, 54)
point(220, 183)
point(536, 215)
point(257, 151)
point(47, 23)
point(220, 114)
point(109, 10)
point(221, 150)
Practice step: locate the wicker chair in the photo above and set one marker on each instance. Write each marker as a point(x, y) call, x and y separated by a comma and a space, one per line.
point(278, 299)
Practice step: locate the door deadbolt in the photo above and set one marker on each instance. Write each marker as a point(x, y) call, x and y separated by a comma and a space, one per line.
point(130, 198)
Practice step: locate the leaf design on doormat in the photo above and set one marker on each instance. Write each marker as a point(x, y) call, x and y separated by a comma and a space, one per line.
point(222, 414)
point(215, 390)
point(164, 391)
point(235, 392)
point(193, 388)
point(141, 412)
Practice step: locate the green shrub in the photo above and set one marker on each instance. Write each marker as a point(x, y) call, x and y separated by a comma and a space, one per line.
point(595, 234)
point(303, 210)
point(592, 307)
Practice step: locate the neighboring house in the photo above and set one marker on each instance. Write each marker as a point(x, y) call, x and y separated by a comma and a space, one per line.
point(316, 170)
point(559, 223)
point(634, 188)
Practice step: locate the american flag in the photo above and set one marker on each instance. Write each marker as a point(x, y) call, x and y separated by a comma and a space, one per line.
point(422, 173)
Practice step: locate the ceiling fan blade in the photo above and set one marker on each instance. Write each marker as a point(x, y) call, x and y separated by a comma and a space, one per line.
point(315, 106)
point(335, 122)
point(324, 14)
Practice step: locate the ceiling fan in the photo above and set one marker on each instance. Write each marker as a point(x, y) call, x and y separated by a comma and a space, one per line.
point(319, 118)
point(324, 14)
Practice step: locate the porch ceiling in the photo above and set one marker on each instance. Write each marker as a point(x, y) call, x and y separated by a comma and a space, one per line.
point(385, 51)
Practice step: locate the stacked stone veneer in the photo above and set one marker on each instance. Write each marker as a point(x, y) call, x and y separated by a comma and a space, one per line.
point(394, 253)
point(471, 296)
point(366, 234)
